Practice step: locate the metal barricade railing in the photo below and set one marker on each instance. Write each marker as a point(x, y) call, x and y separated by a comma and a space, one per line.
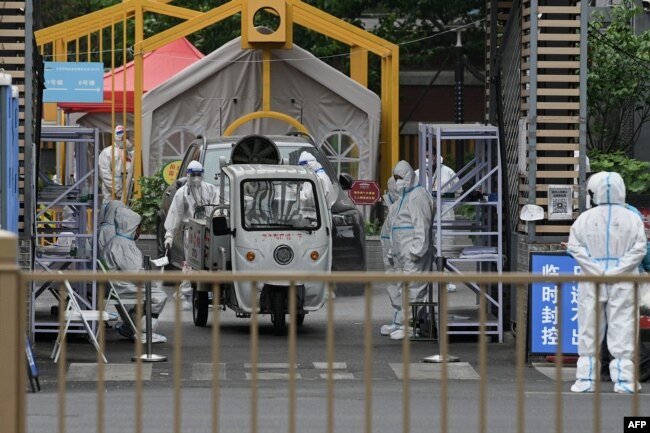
point(12, 368)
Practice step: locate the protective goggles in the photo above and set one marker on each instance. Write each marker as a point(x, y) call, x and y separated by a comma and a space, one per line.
point(303, 162)
point(192, 173)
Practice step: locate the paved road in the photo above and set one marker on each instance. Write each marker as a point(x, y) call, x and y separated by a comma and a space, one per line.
point(311, 386)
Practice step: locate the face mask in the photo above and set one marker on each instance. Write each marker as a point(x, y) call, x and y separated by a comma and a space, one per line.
point(195, 181)
point(119, 137)
point(400, 184)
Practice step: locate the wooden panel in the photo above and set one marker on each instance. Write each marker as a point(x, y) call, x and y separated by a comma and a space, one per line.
point(568, 37)
point(560, 174)
point(559, 23)
point(17, 74)
point(557, 160)
point(538, 188)
point(558, 133)
point(570, 64)
point(557, 146)
point(12, 33)
point(558, 92)
point(568, 51)
point(13, 19)
point(553, 37)
point(13, 5)
point(543, 201)
point(544, 78)
point(558, 105)
point(559, 10)
point(12, 61)
point(539, 229)
point(558, 119)
point(12, 46)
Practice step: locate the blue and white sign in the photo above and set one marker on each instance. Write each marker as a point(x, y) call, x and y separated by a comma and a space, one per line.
point(547, 299)
point(74, 82)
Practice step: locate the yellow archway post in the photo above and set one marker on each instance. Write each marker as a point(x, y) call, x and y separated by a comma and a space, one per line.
point(137, 101)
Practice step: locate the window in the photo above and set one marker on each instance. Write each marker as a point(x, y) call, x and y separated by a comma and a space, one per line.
point(344, 152)
point(279, 204)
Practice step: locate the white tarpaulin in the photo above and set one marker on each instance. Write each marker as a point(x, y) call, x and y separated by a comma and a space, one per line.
point(210, 94)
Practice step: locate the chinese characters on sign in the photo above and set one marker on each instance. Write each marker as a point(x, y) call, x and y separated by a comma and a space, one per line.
point(364, 192)
point(560, 199)
point(549, 302)
point(73, 82)
point(170, 171)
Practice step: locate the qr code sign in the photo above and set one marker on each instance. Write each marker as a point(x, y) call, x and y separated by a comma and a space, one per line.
point(558, 206)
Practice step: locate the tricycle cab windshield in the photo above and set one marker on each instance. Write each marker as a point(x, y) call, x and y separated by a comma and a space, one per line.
point(279, 204)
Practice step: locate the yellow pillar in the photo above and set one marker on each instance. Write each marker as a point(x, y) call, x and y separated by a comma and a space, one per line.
point(359, 65)
point(266, 79)
point(137, 103)
point(12, 338)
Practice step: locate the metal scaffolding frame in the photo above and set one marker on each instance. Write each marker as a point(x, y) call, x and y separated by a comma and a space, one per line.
point(477, 184)
point(83, 145)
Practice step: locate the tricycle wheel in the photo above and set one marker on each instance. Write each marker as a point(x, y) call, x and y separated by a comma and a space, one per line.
point(278, 317)
point(200, 307)
point(301, 319)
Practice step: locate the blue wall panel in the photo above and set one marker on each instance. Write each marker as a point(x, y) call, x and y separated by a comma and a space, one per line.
point(9, 165)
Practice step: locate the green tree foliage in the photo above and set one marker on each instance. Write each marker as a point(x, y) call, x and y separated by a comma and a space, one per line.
point(413, 24)
point(147, 206)
point(618, 83)
point(636, 174)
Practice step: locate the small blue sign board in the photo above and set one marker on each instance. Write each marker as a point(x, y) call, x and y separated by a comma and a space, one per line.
point(74, 82)
point(543, 301)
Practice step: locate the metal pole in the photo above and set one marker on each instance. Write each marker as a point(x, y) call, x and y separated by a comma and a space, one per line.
point(148, 357)
point(459, 94)
point(440, 358)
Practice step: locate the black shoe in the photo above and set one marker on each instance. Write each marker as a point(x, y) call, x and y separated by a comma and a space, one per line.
point(125, 331)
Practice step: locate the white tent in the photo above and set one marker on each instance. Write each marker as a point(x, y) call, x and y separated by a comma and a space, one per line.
point(210, 94)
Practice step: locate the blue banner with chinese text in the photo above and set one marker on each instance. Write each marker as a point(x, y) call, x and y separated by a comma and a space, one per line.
point(546, 299)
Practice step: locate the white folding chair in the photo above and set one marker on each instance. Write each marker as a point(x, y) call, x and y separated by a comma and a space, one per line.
point(73, 312)
point(114, 297)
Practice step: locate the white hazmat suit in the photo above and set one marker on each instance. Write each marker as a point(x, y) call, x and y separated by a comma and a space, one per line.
point(449, 182)
point(310, 161)
point(114, 157)
point(608, 239)
point(394, 293)
point(411, 236)
point(189, 198)
point(122, 254)
point(107, 225)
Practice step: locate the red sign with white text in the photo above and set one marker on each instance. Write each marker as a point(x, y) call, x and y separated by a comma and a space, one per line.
point(364, 192)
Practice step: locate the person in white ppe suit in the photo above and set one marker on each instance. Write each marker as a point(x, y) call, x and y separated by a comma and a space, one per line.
point(112, 164)
point(411, 238)
point(608, 239)
point(107, 225)
point(394, 293)
point(449, 181)
point(309, 160)
point(189, 201)
point(122, 254)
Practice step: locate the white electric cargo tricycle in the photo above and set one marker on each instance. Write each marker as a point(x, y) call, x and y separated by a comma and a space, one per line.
point(272, 218)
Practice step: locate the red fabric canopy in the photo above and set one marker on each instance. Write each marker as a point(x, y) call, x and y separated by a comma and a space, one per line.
point(159, 66)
